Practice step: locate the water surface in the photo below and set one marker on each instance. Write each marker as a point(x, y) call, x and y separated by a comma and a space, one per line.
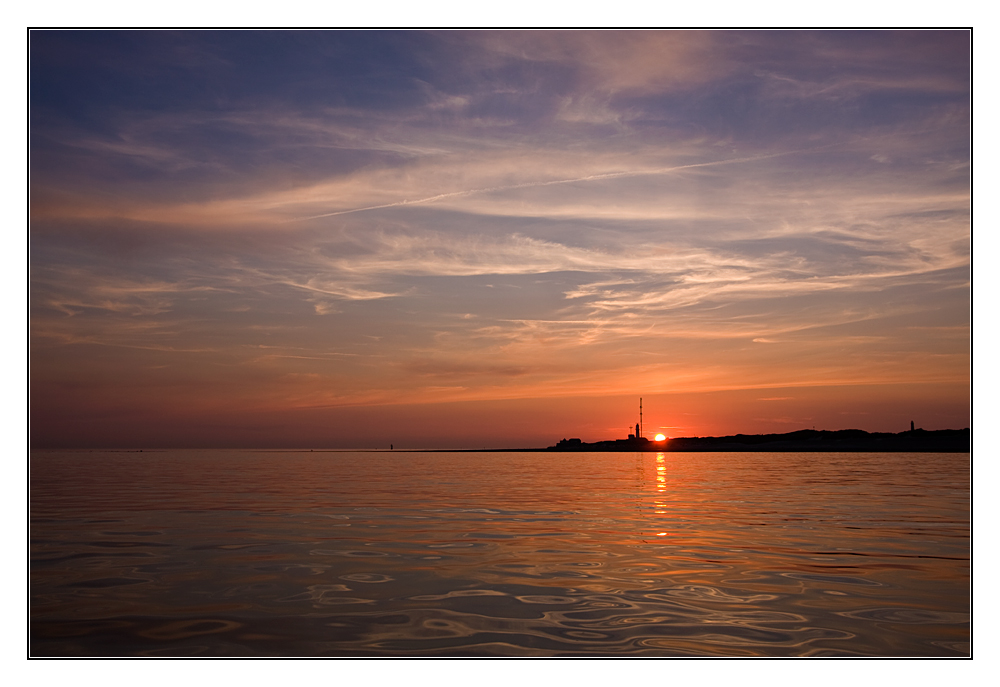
point(267, 553)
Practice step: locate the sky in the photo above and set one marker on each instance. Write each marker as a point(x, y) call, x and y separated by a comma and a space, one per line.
point(495, 238)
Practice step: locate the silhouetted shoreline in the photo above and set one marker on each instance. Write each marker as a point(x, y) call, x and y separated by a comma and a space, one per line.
point(852, 440)
point(804, 440)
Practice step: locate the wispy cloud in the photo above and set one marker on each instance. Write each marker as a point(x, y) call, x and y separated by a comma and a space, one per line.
point(497, 215)
point(553, 182)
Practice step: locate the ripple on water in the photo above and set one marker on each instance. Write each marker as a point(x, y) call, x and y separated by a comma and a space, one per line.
point(916, 616)
point(106, 582)
point(110, 544)
point(367, 578)
point(548, 600)
point(327, 595)
point(833, 579)
point(707, 593)
point(457, 594)
point(457, 545)
point(183, 629)
point(315, 568)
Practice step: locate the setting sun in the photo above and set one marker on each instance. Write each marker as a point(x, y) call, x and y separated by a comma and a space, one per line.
point(659, 437)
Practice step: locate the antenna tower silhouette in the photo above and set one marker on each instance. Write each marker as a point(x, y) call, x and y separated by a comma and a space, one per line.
point(640, 416)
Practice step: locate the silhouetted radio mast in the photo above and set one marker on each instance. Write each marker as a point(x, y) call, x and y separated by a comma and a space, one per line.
point(640, 416)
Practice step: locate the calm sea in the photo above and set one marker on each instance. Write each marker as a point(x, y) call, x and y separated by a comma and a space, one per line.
point(291, 553)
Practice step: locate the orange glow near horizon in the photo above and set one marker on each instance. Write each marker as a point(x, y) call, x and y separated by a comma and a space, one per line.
point(659, 437)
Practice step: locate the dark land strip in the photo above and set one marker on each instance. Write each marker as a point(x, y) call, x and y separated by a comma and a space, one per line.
point(805, 440)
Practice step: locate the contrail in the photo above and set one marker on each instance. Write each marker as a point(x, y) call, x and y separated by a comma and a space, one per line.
point(535, 184)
